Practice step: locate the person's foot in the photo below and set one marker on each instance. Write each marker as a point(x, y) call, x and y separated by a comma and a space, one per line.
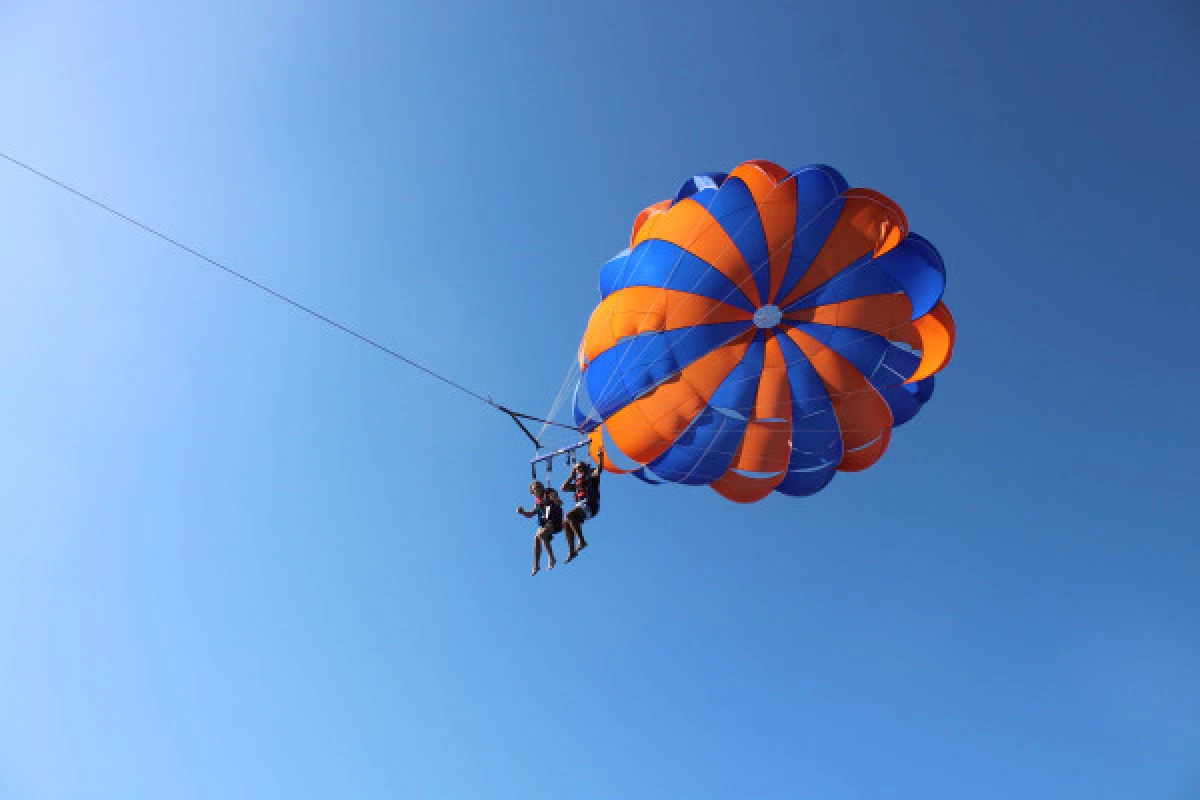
point(570, 558)
point(582, 544)
point(551, 566)
point(536, 569)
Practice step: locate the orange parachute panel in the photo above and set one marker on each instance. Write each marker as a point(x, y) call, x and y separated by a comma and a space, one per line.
point(888, 315)
point(863, 415)
point(937, 333)
point(642, 309)
point(869, 223)
point(645, 428)
point(649, 211)
point(689, 225)
point(775, 197)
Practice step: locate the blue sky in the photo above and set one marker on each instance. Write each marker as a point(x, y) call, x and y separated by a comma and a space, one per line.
point(244, 556)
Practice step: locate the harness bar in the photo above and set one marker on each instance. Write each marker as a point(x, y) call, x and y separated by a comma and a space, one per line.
point(537, 459)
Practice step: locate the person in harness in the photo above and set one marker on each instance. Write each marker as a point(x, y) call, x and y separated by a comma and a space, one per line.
point(553, 517)
point(547, 507)
point(585, 483)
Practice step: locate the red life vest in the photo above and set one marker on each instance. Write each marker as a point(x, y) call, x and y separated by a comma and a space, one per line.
point(587, 492)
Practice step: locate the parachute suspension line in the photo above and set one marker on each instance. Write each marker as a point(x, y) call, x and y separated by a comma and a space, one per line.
point(280, 296)
point(568, 451)
point(563, 391)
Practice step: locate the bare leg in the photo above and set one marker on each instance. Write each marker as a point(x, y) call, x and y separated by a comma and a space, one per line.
point(569, 529)
point(579, 534)
point(550, 553)
point(574, 534)
point(537, 553)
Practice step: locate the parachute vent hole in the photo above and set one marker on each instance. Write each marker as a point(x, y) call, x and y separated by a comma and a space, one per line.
point(767, 316)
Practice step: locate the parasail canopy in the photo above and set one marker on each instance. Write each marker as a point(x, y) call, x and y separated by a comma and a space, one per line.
point(763, 331)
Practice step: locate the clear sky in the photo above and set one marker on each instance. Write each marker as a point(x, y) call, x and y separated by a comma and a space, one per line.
point(245, 556)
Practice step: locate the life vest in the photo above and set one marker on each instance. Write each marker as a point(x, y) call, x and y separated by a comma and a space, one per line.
point(554, 517)
point(549, 515)
point(587, 491)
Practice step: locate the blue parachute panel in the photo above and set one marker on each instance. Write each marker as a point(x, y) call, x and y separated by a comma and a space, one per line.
point(917, 267)
point(906, 399)
point(810, 238)
point(862, 278)
point(668, 266)
point(586, 418)
point(612, 273)
point(698, 183)
point(816, 436)
point(645, 475)
point(707, 447)
point(735, 210)
point(635, 365)
point(819, 204)
point(803, 484)
point(883, 363)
